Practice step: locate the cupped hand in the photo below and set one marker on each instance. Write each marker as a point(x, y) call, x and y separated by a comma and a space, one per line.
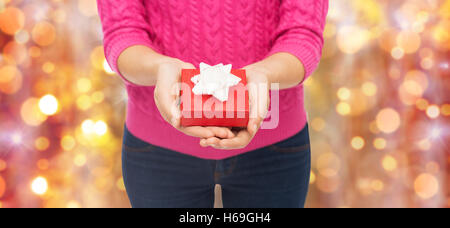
point(258, 89)
point(167, 99)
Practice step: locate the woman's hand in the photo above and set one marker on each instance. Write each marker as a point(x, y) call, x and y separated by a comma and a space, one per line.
point(282, 68)
point(167, 95)
point(258, 89)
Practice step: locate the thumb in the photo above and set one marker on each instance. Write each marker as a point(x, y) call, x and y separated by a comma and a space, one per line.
point(175, 112)
point(186, 65)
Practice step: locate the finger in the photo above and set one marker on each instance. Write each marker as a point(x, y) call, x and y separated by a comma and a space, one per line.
point(161, 108)
point(253, 99)
point(203, 143)
point(255, 107)
point(175, 113)
point(259, 104)
point(213, 141)
point(221, 132)
point(254, 125)
point(186, 65)
point(241, 140)
point(255, 119)
point(168, 110)
point(167, 102)
point(197, 131)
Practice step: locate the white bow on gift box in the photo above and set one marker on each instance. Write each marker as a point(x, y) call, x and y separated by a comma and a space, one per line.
point(214, 80)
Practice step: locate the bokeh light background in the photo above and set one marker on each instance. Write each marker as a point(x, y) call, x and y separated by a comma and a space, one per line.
point(378, 107)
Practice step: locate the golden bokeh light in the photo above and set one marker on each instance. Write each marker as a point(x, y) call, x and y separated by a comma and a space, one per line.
point(369, 89)
point(433, 111)
point(98, 58)
point(84, 102)
point(80, 160)
point(48, 67)
point(59, 16)
point(389, 163)
point(359, 103)
point(8, 73)
point(34, 52)
point(10, 79)
point(84, 85)
point(22, 37)
point(397, 53)
point(441, 34)
point(427, 63)
point(343, 93)
point(387, 40)
point(423, 16)
point(377, 185)
point(328, 164)
point(31, 113)
point(351, 39)
point(312, 178)
point(39, 185)
point(68, 142)
point(12, 20)
point(445, 109)
point(120, 184)
point(364, 186)
point(107, 68)
point(357, 142)
point(343, 108)
point(408, 41)
point(100, 127)
point(44, 33)
point(413, 87)
point(329, 30)
point(98, 97)
point(88, 7)
point(48, 105)
point(426, 185)
point(318, 124)
point(388, 120)
point(87, 126)
point(2, 186)
point(15, 53)
point(73, 204)
point(421, 104)
point(327, 185)
point(379, 143)
point(41, 143)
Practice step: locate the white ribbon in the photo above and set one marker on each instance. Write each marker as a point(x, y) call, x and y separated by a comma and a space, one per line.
point(214, 80)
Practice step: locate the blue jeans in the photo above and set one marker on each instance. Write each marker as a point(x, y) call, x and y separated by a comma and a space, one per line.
point(271, 177)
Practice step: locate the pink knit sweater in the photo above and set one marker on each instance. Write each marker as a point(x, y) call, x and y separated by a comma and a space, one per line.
point(239, 32)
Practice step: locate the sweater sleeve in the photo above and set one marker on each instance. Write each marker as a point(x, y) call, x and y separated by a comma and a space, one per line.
point(124, 24)
point(300, 31)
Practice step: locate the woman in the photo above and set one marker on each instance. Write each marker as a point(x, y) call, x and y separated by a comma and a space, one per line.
point(148, 42)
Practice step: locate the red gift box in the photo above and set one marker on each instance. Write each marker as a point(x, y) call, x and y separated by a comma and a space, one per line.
point(206, 110)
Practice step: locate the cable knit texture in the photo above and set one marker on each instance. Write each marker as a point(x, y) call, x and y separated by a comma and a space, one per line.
point(239, 32)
